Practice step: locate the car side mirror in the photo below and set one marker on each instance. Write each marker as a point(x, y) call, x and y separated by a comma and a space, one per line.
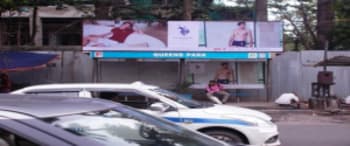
point(159, 107)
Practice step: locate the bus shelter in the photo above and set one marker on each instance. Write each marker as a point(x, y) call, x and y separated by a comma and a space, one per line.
point(193, 50)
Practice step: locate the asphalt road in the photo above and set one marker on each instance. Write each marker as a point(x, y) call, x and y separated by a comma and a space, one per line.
point(314, 134)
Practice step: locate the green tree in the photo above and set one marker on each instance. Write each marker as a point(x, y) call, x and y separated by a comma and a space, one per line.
point(13, 5)
point(300, 21)
point(243, 10)
point(310, 23)
point(341, 39)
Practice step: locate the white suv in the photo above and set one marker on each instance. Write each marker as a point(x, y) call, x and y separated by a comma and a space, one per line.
point(228, 123)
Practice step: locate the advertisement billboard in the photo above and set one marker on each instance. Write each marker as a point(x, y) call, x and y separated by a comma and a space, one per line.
point(184, 36)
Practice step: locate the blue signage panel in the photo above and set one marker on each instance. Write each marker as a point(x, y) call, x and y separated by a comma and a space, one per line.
point(177, 55)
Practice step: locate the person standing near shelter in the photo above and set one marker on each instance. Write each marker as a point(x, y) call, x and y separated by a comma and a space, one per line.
point(224, 75)
point(5, 85)
point(214, 89)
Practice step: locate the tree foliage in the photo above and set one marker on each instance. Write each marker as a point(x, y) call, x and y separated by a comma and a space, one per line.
point(303, 28)
point(17, 5)
point(173, 10)
point(300, 21)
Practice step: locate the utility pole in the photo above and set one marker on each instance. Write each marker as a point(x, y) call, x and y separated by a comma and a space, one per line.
point(325, 22)
point(325, 57)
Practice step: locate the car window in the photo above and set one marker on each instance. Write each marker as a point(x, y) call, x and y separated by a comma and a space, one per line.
point(128, 98)
point(56, 93)
point(124, 126)
point(180, 98)
point(9, 139)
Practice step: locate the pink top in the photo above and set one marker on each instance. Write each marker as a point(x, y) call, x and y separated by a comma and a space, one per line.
point(214, 88)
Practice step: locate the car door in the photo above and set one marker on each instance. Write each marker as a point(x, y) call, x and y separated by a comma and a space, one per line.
point(35, 132)
point(13, 133)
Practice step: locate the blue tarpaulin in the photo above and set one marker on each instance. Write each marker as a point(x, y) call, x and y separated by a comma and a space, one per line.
point(20, 61)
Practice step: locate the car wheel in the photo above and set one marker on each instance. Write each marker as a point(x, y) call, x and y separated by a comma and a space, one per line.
point(229, 137)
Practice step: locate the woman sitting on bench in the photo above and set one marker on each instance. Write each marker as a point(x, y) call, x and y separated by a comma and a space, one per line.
point(215, 89)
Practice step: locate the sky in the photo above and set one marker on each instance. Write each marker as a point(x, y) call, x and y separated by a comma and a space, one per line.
point(233, 3)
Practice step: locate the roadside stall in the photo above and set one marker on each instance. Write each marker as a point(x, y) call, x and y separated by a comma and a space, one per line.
point(197, 47)
point(321, 90)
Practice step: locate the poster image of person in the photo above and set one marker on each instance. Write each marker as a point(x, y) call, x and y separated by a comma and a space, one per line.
point(241, 36)
point(230, 35)
point(118, 35)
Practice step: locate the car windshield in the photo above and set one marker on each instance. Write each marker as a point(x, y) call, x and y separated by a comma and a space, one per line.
point(180, 98)
point(125, 126)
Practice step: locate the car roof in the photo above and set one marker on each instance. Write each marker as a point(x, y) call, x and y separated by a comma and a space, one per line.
point(135, 85)
point(51, 106)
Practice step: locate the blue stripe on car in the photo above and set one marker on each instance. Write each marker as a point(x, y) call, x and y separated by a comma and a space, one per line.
point(208, 120)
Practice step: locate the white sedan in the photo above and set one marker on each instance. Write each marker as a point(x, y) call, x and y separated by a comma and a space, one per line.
point(32, 120)
point(227, 123)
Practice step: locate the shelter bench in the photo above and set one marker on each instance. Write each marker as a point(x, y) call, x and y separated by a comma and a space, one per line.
point(234, 89)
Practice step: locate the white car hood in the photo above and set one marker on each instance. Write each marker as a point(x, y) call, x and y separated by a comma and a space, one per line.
point(234, 110)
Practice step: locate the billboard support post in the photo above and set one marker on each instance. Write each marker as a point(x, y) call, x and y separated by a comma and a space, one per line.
point(268, 80)
point(325, 56)
point(181, 72)
point(95, 70)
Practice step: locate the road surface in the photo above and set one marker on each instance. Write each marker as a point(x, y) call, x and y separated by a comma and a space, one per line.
point(314, 134)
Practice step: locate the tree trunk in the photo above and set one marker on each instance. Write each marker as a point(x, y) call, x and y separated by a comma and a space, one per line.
point(325, 22)
point(187, 7)
point(102, 9)
point(261, 10)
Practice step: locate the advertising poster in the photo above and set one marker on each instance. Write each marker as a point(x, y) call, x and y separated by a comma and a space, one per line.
point(269, 36)
point(184, 36)
point(230, 36)
point(112, 35)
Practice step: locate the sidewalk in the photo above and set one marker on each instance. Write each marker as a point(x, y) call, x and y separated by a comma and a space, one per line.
point(288, 114)
point(271, 106)
point(267, 106)
point(257, 105)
